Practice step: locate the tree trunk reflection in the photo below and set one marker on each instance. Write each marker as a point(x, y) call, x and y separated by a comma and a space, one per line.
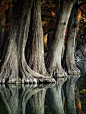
point(54, 98)
point(36, 103)
point(10, 98)
point(69, 94)
point(16, 98)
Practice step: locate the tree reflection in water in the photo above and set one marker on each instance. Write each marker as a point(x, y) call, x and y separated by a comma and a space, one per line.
point(69, 87)
point(10, 97)
point(31, 99)
point(54, 98)
point(35, 104)
point(16, 98)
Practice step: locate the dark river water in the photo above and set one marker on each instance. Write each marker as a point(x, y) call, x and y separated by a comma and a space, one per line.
point(67, 96)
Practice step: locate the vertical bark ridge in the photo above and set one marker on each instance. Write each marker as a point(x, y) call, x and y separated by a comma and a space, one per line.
point(36, 55)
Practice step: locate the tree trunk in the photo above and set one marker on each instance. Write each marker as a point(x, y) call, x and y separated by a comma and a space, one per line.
point(70, 47)
point(28, 75)
point(9, 63)
point(36, 53)
point(53, 58)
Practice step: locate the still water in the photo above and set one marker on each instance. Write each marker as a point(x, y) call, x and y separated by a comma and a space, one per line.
point(68, 96)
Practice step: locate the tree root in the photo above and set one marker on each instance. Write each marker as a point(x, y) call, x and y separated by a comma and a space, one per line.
point(73, 70)
point(61, 73)
point(8, 76)
point(58, 73)
point(30, 76)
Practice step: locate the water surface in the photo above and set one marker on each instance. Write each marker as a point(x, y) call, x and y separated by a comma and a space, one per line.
point(67, 96)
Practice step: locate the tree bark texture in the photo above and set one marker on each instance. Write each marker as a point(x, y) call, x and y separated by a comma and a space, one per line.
point(70, 46)
point(36, 53)
point(53, 58)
